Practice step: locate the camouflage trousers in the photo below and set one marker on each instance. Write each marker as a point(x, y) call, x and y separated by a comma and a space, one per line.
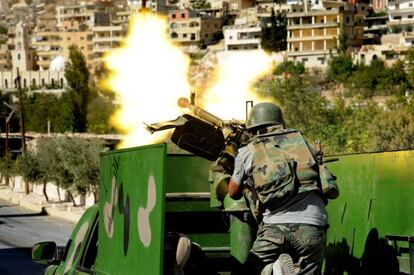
point(304, 243)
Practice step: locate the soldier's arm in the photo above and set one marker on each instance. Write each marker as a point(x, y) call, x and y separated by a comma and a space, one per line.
point(236, 181)
point(235, 190)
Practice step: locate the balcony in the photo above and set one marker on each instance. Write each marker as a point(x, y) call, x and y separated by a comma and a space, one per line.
point(394, 12)
point(102, 49)
point(243, 41)
point(313, 26)
point(311, 38)
point(107, 39)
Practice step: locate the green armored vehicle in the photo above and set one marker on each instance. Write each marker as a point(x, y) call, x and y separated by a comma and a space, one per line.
point(165, 213)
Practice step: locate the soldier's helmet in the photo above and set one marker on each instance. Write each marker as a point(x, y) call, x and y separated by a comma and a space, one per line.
point(264, 114)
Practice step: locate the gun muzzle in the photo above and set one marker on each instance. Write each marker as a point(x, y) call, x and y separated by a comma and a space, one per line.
point(200, 112)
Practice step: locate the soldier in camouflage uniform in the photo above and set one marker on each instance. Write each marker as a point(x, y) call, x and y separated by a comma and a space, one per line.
point(279, 172)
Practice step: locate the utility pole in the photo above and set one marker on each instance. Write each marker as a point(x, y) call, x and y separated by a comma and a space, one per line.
point(22, 124)
point(6, 178)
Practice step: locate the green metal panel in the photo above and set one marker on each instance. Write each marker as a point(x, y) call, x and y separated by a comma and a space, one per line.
point(376, 199)
point(187, 173)
point(78, 240)
point(131, 227)
point(195, 218)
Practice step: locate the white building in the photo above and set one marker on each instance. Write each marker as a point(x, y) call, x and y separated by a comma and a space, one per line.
point(401, 15)
point(22, 55)
point(32, 79)
point(242, 36)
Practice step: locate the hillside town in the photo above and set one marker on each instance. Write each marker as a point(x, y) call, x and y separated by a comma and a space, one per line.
point(35, 35)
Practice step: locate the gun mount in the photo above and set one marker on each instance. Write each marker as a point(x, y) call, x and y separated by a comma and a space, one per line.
point(203, 133)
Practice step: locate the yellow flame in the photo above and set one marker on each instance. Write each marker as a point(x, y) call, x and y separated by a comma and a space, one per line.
point(149, 74)
point(236, 73)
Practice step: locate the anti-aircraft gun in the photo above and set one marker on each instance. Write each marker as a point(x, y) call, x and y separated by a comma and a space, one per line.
point(217, 140)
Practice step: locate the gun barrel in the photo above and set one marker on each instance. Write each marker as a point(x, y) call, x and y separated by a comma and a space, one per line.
point(200, 112)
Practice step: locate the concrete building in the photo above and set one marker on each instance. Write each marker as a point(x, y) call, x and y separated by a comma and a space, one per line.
point(106, 38)
point(389, 53)
point(75, 17)
point(49, 45)
point(400, 15)
point(313, 35)
point(22, 55)
point(5, 58)
point(374, 28)
point(192, 29)
point(242, 36)
point(31, 79)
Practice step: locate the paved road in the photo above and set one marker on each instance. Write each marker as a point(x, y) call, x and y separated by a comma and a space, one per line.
point(19, 230)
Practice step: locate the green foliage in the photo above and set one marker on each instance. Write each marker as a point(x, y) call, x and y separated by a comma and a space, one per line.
point(290, 67)
point(339, 69)
point(344, 127)
point(3, 30)
point(77, 77)
point(343, 42)
point(71, 163)
point(378, 79)
point(100, 110)
point(274, 33)
point(41, 108)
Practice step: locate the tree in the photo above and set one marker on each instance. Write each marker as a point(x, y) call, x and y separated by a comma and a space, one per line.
point(290, 67)
point(3, 30)
point(100, 109)
point(342, 42)
point(274, 33)
point(339, 69)
point(30, 169)
point(44, 108)
point(77, 77)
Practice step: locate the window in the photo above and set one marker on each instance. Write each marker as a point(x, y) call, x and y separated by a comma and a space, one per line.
point(91, 250)
point(304, 60)
point(24, 83)
point(82, 38)
point(174, 35)
point(321, 60)
point(43, 82)
point(184, 35)
point(193, 36)
point(6, 84)
point(18, 56)
point(173, 16)
point(34, 82)
point(183, 15)
point(61, 82)
point(173, 25)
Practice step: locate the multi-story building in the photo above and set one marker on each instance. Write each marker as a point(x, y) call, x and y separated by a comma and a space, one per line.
point(190, 28)
point(374, 28)
point(5, 58)
point(400, 15)
point(242, 36)
point(75, 17)
point(50, 45)
point(106, 38)
point(313, 35)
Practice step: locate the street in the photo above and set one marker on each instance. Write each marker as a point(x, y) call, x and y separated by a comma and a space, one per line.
point(19, 230)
